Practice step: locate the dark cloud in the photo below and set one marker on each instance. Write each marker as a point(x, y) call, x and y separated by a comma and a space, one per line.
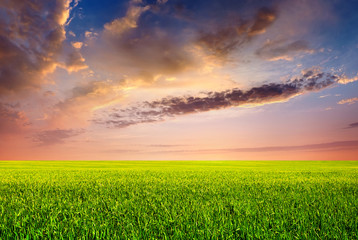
point(225, 39)
point(278, 50)
point(12, 120)
point(222, 42)
point(31, 36)
point(353, 125)
point(56, 136)
point(175, 106)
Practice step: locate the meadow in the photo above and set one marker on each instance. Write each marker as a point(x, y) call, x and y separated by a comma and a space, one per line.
point(179, 200)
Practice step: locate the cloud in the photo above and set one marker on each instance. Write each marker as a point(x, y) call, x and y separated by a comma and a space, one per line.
point(49, 93)
point(57, 136)
point(348, 101)
point(158, 39)
point(11, 119)
point(72, 34)
point(75, 62)
point(346, 80)
point(129, 21)
point(353, 125)
point(141, 51)
point(137, 50)
point(308, 147)
point(82, 100)
point(330, 146)
point(150, 41)
point(281, 50)
point(227, 37)
point(31, 36)
point(91, 35)
point(222, 42)
point(175, 106)
point(166, 145)
point(264, 18)
point(77, 45)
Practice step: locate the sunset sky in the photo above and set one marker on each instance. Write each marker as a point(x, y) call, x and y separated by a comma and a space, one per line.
point(178, 80)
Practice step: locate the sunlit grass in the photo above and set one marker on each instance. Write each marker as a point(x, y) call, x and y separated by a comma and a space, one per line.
point(179, 200)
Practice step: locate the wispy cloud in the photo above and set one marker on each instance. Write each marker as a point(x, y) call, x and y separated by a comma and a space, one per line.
point(167, 145)
point(12, 120)
point(330, 146)
point(281, 50)
point(353, 125)
point(348, 101)
point(324, 96)
point(120, 25)
point(320, 146)
point(57, 136)
point(89, 97)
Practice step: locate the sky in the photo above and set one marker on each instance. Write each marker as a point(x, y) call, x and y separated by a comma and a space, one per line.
point(178, 80)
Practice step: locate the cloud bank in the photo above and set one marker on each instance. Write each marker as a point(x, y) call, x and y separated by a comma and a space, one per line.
point(175, 106)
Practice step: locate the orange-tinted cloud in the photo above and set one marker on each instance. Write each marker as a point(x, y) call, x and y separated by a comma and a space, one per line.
point(121, 25)
point(348, 101)
point(345, 80)
point(77, 45)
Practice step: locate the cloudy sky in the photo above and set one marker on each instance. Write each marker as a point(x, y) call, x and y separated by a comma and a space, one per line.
point(178, 79)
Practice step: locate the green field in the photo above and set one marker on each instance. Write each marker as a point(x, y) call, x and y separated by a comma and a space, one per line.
point(179, 200)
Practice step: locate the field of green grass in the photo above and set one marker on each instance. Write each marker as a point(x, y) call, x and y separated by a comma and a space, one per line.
point(179, 200)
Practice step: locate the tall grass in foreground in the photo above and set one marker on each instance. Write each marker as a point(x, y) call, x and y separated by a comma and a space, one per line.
point(179, 200)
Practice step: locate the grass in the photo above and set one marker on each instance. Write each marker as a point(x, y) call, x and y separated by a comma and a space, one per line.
point(179, 200)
